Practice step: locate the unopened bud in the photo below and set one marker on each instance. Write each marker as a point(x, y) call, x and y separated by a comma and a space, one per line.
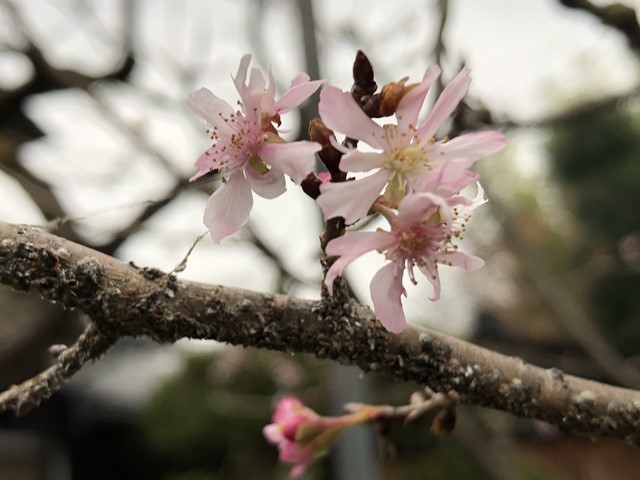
point(363, 83)
point(330, 156)
point(311, 185)
point(390, 97)
point(318, 132)
point(444, 422)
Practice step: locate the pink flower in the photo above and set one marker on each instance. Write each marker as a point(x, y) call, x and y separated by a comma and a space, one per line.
point(303, 436)
point(422, 235)
point(404, 151)
point(289, 414)
point(247, 149)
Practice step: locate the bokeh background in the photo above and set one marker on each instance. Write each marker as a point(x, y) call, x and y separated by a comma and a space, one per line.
point(96, 144)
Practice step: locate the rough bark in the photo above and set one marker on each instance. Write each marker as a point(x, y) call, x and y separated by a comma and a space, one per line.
point(124, 300)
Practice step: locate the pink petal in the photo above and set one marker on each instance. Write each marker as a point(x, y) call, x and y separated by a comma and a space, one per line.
point(285, 408)
point(228, 209)
point(267, 104)
point(357, 161)
point(301, 457)
point(417, 207)
point(299, 79)
point(445, 105)
point(298, 470)
point(297, 94)
point(253, 96)
point(270, 185)
point(461, 259)
point(273, 433)
point(341, 113)
point(351, 200)
point(351, 246)
point(471, 147)
point(257, 83)
point(271, 87)
point(430, 270)
point(469, 203)
point(289, 408)
point(205, 163)
point(241, 75)
point(386, 289)
point(325, 177)
point(296, 159)
point(411, 104)
point(479, 198)
point(211, 108)
point(452, 177)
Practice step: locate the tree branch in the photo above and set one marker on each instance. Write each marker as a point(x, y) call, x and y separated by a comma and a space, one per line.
point(615, 15)
point(23, 398)
point(124, 300)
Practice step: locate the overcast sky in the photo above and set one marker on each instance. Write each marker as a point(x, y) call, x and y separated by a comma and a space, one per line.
point(528, 59)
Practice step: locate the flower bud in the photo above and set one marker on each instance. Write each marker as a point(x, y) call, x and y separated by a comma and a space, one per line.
point(303, 436)
point(390, 97)
point(329, 155)
point(444, 422)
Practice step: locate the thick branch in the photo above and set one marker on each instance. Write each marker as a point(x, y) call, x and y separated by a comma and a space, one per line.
point(125, 300)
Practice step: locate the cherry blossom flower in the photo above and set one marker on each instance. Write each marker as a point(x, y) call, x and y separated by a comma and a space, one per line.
point(422, 235)
point(247, 149)
point(303, 436)
point(404, 152)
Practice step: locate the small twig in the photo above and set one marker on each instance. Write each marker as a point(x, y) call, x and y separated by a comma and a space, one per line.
point(440, 48)
point(28, 395)
point(180, 267)
point(420, 404)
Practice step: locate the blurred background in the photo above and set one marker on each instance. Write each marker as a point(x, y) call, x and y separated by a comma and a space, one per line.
point(97, 144)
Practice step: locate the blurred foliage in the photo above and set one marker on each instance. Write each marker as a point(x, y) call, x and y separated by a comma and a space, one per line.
point(191, 475)
point(596, 159)
point(206, 421)
point(212, 413)
point(425, 455)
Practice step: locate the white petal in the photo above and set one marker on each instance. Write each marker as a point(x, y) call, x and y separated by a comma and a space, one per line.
point(448, 180)
point(341, 113)
point(241, 75)
point(351, 200)
point(206, 163)
point(351, 246)
point(410, 105)
point(357, 161)
point(257, 83)
point(297, 94)
point(462, 260)
point(228, 209)
point(386, 289)
point(270, 185)
point(417, 207)
point(430, 270)
point(296, 159)
point(211, 108)
point(445, 105)
point(471, 147)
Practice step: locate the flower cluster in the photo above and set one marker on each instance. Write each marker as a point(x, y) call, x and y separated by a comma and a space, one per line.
point(303, 436)
point(414, 179)
point(415, 185)
point(247, 150)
